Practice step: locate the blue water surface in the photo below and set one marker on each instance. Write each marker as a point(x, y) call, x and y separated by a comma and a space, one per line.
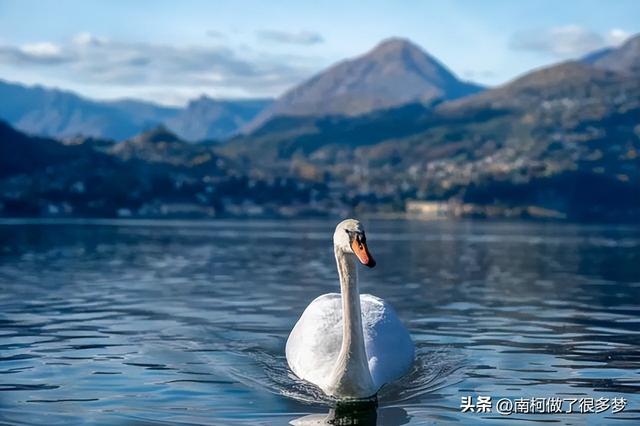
point(185, 322)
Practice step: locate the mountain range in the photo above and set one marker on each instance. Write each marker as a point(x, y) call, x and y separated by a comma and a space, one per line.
point(395, 72)
point(561, 141)
point(62, 114)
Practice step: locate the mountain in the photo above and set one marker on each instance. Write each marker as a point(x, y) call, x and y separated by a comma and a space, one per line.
point(575, 89)
point(577, 86)
point(56, 113)
point(625, 58)
point(205, 118)
point(23, 154)
point(561, 140)
point(61, 114)
point(394, 73)
point(160, 145)
point(153, 175)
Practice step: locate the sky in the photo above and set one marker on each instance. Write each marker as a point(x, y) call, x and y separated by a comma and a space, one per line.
point(172, 51)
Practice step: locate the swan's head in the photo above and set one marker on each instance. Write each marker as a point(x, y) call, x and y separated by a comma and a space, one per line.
point(350, 238)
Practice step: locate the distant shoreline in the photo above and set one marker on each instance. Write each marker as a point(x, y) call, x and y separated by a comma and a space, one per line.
point(194, 222)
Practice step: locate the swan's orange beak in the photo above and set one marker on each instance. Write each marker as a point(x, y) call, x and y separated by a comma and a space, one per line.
point(362, 252)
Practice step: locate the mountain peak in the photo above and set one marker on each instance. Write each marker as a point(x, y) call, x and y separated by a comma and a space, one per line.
point(395, 44)
point(405, 52)
point(157, 135)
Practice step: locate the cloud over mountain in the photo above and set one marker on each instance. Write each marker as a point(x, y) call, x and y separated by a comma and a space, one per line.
point(568, 41)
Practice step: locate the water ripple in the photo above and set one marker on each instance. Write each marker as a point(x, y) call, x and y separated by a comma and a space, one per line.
point(144, 322)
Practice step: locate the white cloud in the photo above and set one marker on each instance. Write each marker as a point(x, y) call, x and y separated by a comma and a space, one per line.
point(42, 50)
point(567, 41)
point(92, 60)
point(43, 53)
point(616, 36)
point(300, 37)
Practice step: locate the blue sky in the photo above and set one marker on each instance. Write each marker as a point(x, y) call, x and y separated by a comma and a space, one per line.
point(172, 51)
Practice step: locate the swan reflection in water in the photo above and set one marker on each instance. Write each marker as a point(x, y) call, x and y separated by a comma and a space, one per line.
point(356, 413)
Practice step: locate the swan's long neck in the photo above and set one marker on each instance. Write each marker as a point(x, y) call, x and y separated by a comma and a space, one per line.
point(351, 377)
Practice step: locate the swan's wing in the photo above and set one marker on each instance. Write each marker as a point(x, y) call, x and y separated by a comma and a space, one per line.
point(314, 342)
point(389, 347)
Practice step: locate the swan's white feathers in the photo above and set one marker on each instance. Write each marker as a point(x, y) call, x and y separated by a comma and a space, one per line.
point(314, 343)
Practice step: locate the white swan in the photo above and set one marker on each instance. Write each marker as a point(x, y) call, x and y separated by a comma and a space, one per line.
point(354, 358)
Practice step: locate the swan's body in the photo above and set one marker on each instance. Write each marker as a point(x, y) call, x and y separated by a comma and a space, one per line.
point(314, 343)
point(355, 357)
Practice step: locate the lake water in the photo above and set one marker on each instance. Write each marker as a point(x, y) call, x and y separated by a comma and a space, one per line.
point(156, 322)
